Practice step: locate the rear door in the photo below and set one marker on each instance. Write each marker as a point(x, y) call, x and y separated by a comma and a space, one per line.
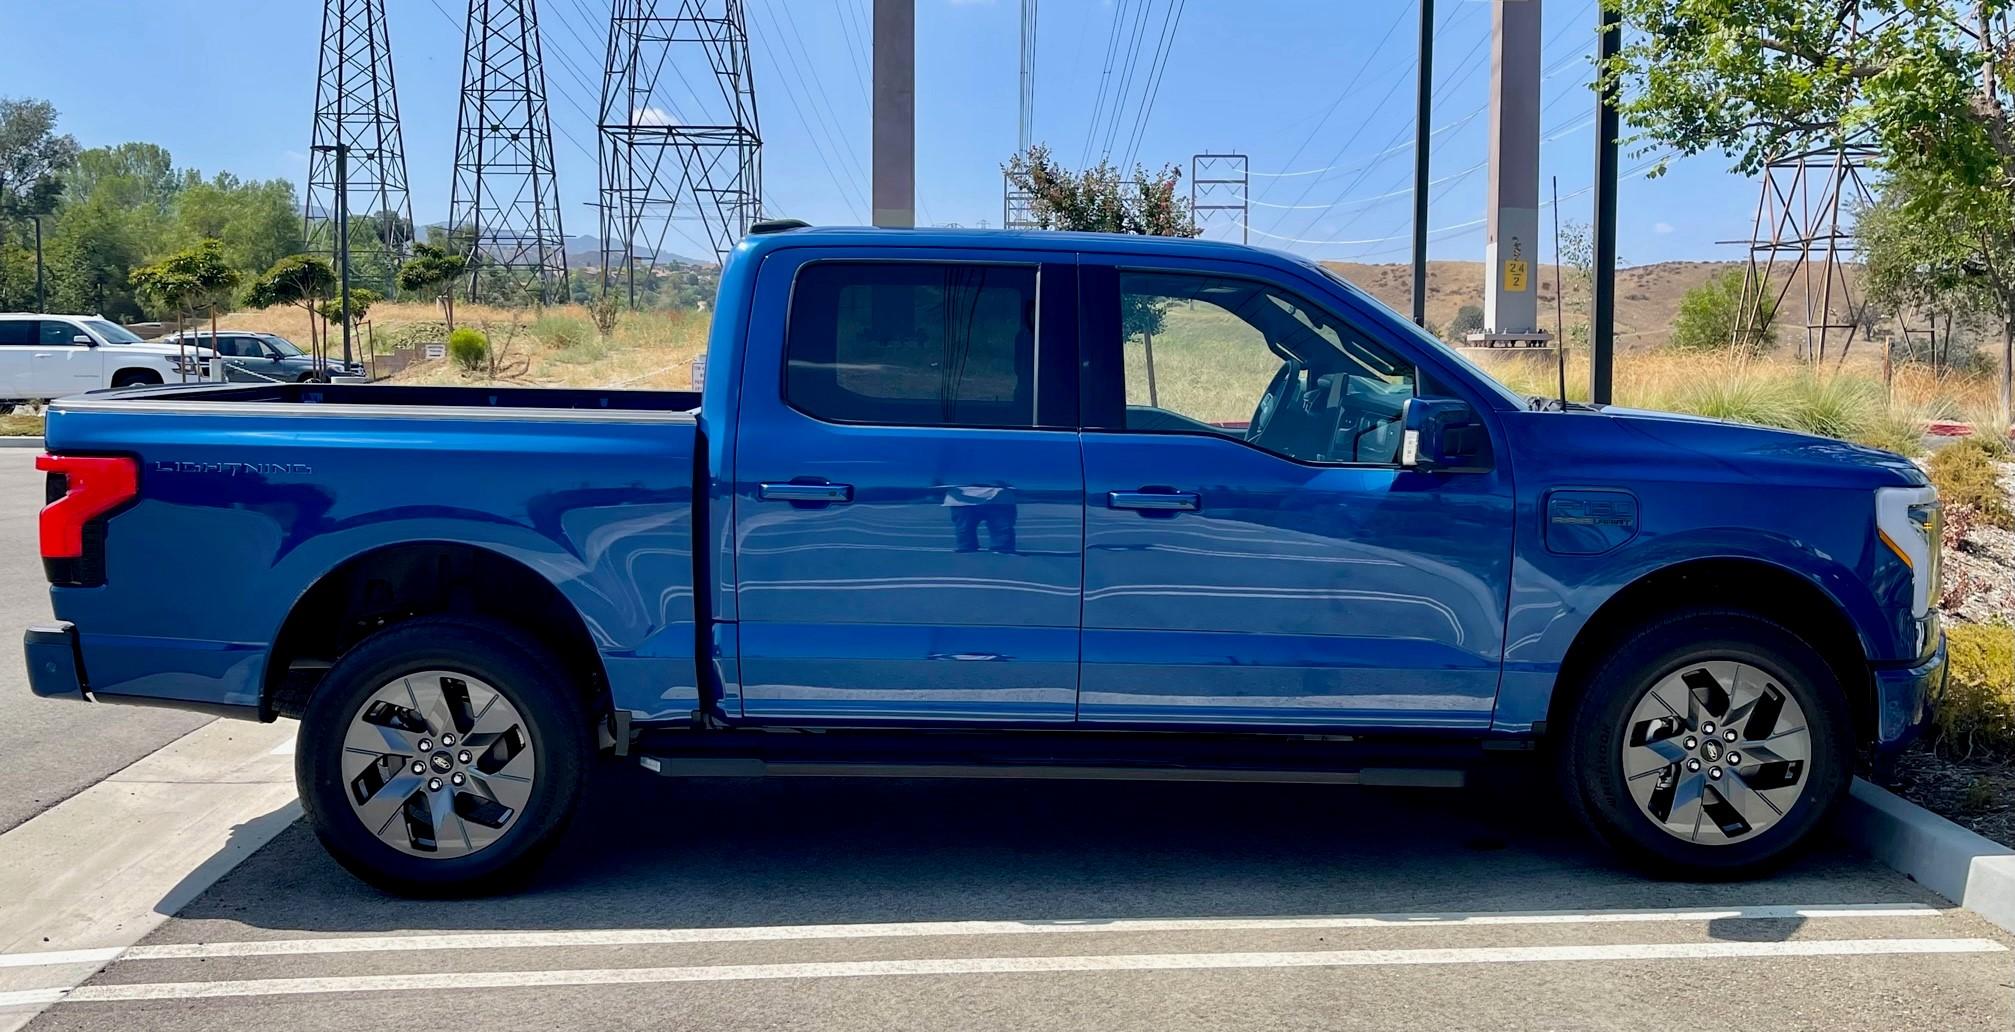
point(63, 366)
point(909, 495)
point(1255, 554)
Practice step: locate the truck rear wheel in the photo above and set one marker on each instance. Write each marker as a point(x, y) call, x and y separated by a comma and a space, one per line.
point(442, 756)
point(1710, 743)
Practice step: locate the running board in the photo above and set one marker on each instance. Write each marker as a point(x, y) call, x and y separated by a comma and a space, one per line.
point(744, 767)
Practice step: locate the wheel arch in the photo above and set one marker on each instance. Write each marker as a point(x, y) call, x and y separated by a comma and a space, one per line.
point(391, 583)
point(1767, 589)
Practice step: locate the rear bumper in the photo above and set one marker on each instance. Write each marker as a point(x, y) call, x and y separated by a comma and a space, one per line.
point(1903, 697)
point(54, 669)
point(220, 678)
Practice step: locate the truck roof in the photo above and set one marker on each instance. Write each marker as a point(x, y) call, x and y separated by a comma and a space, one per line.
point(1015, 239)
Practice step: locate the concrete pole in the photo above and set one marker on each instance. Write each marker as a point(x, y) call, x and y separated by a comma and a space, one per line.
point(895, 117)
point(1423, 118)
point(1510, 250)
point(1602, 313)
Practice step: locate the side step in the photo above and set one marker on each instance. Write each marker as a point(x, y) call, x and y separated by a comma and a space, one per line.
point(751, 767)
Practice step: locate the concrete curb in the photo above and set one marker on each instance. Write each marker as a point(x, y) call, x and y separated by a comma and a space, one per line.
point(21, 442)
point(1975, 872)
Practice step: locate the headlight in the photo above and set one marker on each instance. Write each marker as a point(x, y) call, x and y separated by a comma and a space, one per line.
point(1910, 523)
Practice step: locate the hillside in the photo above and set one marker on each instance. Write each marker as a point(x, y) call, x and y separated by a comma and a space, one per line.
point(1647, 296)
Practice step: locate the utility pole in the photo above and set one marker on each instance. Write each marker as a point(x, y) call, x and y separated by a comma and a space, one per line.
point(504, 205)
point(895, 113)
point(1510, 275)
point(1423, 118)
point(342, 201)
point(41, 294)
point(1602, 298)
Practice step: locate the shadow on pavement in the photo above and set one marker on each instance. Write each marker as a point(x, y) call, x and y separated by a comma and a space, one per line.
point(652, 852)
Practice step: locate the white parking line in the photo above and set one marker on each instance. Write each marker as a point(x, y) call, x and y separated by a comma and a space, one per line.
point(1014, 965)
point(787, 933)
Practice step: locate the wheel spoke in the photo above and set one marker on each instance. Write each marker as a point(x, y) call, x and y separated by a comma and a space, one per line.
point(378, 812)
point(379, 739)
point(1730, 767)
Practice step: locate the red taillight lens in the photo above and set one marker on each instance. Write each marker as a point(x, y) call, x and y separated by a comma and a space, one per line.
point(92, 487)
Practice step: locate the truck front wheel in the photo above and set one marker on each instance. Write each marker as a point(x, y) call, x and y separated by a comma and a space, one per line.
point(442, 756)
point(1710, 743)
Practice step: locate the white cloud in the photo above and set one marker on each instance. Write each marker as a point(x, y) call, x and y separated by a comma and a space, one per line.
point(1662, 228)
point(651, 116)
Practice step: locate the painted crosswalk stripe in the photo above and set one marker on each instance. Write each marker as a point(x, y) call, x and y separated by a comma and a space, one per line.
point(442, 982)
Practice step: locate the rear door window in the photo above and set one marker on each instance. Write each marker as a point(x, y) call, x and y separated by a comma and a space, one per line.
point(913, 343)
point(19, 332)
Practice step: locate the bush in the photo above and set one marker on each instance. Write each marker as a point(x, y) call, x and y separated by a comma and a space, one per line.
point(1833, 406)
point(1967, 477)
point(605, 310)
point(561, 331)
point(1711, 318)
point(469, 348)
point(1742, 399)
point(1976, 711)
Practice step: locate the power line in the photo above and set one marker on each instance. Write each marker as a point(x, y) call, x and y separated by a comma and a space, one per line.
point(811, 134)
point(1105, 80)
point(1157, 69)
point(1126, 76)
point(1345, 92)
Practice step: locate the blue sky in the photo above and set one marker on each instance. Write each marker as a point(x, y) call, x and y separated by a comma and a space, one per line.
point(1302, 86)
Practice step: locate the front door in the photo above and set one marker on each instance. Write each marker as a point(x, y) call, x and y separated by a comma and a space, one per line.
point(63, 366)
point(909, 493)
point(1255, 554)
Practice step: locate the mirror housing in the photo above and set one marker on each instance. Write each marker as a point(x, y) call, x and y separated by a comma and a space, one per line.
point(1443, 435)
point(85, 339)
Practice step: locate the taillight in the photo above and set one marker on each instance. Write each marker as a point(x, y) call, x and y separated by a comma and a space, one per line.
point(82, 491)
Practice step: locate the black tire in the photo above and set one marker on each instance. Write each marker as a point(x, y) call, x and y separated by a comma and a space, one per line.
point(1589, 760)
point(135, 377)
point(529, 677)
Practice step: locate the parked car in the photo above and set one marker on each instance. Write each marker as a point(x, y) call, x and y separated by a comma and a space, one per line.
point(51, 356)
point(1043, 504)
point(251, 357)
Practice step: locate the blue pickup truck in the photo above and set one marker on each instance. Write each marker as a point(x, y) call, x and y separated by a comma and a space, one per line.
point(959, 503)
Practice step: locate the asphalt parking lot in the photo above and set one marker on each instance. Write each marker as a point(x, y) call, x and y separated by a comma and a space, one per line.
point(872, 904)
point(49, 752)
point(997, 905)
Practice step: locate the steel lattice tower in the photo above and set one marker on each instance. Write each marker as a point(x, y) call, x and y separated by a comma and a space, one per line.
point(1219, 192)
point(357, 110)
point(674, 145)
point(505, 208)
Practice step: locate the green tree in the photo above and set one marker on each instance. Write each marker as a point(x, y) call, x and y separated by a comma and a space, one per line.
point(301, 280)
point(1710, 318)
point(1926, 83)
point(257, 222)
point(1468, 319)
point(1101, 199)
point(361, 300)
point(434, 270)
point(196, 280)
point(33, 158)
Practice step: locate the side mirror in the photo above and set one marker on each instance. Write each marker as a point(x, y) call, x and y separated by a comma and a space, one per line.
point(1443, 435)
point(85, 339)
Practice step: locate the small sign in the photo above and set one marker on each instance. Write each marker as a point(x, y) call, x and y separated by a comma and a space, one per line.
point(699, 372)
point(1514, 276)
point(433, 351)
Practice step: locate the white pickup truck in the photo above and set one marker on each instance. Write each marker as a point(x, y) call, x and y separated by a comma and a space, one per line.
point(50, 356)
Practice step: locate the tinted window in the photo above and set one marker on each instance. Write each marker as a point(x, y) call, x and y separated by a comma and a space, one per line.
point(18, 331)
point(913, 343)
point(1241, 359)
point(239, 347)
point(58, 332)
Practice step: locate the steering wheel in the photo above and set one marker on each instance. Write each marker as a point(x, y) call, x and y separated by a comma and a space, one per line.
point(1279, 392)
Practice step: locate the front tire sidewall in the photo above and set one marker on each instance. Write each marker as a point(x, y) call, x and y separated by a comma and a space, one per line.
point(1594, 768)
point(527, 677)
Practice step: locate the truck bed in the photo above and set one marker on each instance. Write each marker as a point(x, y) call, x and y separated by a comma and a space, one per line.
point(251, 497)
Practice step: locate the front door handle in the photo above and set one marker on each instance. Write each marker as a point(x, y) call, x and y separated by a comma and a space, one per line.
point(800, 492)
point(1154, 501)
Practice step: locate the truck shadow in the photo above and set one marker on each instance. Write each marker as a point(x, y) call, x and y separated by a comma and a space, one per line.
point(647, 852)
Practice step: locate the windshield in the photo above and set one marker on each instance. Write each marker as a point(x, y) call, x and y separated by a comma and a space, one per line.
point(111, 332)
point(1428, 340)
point(287, 348)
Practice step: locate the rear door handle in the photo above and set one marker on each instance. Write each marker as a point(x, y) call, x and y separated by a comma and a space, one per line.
point(1154, 501)
point(795, 492)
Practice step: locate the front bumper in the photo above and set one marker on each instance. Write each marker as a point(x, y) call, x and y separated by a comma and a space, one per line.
point(55, 670)
point(1903, 699)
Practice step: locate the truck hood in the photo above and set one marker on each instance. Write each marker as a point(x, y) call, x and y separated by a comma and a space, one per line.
point(1768, 454)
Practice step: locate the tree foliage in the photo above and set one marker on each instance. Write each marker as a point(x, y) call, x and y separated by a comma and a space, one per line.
point(33, 158)
point(434, 270)
point(302, 280)
point(1926, 83)
point(1711, 317)
point(1101, 199)
point(361, 300)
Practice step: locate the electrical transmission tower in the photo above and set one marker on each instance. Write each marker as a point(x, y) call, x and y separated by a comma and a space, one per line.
point(1018, 206)
point(1218, 194)
point(357, 157)
point(505, 209)
point(1802, 241)
point(676, 147)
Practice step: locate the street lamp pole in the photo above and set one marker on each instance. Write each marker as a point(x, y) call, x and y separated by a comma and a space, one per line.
point(41, 292)
point(342, 238)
